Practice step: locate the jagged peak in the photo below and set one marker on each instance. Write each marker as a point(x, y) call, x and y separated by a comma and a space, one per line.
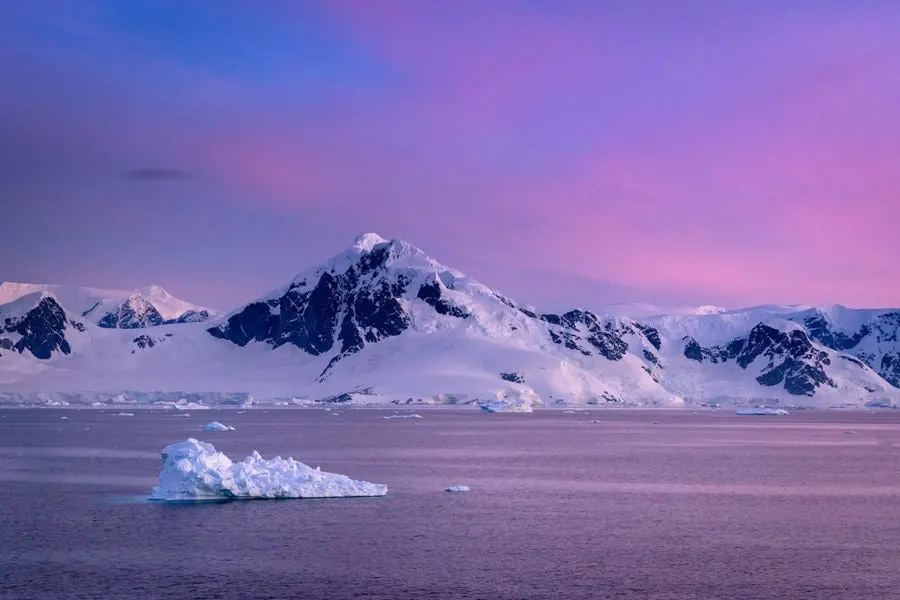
point(399, 253)
point(368, 241)
point(22, 305)
point(153, 290)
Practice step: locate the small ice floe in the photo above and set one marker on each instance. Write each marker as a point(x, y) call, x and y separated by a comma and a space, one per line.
point(216, 426)
point(458, 488)
point(194, 470)
point(182, 415)
point(123, 414)
point(506, 406)
point(64, 418)
point(335, 414)
point(240, 412)
point(412, 416)
point(761, 411)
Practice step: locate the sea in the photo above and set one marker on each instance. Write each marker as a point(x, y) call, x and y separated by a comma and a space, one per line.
point(624, 504)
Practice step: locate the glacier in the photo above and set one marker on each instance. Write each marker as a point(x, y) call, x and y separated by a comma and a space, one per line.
point(194, 471)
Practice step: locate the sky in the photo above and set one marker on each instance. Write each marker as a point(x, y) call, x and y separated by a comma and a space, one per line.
point(565, 153)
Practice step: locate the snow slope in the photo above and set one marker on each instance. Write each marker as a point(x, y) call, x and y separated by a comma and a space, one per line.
point(383, 322)
point(94, 303)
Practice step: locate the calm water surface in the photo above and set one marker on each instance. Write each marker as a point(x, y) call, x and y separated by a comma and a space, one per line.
point(645, 504)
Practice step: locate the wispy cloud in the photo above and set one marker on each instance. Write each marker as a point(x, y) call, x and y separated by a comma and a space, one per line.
point(157, 174)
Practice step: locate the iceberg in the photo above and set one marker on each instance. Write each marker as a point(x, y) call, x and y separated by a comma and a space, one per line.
point(124, 414)
point(458, 488)
point(506, 406)
point(412, 416)
point(194, 471)
point(216, 426)
point(762, 411)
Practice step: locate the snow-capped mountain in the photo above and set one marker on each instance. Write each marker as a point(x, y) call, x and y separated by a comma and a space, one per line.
point(384, 322)
point(38, 325)
point(146, 307)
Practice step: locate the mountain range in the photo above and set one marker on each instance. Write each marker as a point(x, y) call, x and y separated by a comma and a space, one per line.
point(382, 322)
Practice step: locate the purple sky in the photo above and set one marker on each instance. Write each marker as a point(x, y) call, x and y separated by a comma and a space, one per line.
point(565, 153)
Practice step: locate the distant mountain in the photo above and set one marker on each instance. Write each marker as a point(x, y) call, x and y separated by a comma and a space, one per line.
point(146, 307)
point(384, 322)
point(37, 324)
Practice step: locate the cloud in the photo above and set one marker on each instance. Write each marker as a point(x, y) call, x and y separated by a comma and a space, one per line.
point(157, 174)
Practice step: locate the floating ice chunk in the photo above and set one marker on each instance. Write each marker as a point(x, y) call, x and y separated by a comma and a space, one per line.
point(216, 426)
point(194, 470)
point(762, 411)
point(123, 414)
point(506, 406)
point(412, 416)
point(458, 488)
point(64, 418)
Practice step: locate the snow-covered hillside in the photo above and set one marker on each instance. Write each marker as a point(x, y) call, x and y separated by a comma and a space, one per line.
point(146, 307)
point(384, 322)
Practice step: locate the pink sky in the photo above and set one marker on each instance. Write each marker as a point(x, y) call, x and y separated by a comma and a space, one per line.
point(568, 154)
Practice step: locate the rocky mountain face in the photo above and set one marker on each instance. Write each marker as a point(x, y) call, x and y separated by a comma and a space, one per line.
point(789, 358)
point(876, 341)
point(134, 313)
point(381, 299)
point(40, 330)
point(342, 310)
point(137, 312)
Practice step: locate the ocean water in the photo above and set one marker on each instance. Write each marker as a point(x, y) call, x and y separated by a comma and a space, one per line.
point(644, 504)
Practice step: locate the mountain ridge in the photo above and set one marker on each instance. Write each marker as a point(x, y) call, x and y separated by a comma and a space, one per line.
point(384, 317)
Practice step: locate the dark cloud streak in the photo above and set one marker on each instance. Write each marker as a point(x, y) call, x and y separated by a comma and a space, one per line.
point(157, 174)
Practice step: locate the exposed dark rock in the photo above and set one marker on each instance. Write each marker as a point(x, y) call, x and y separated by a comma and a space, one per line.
point(42, 329)
point(143, 341)
point(889, 368)
point(855, 361)
point(583, 331)
point(190, 316)
point(651, 334)
point(821, 331)
point(430, 292)
point(134, 313)
point(354, 308)
point(885, 329)
point(512, 377)
point(792, 359)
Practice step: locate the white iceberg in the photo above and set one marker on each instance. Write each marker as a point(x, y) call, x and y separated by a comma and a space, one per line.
point(506, 406)
point(216, 426)
point(412, 416)
point(762, 411)
point(194, 470)
point(123, 414)
point(458, 488)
